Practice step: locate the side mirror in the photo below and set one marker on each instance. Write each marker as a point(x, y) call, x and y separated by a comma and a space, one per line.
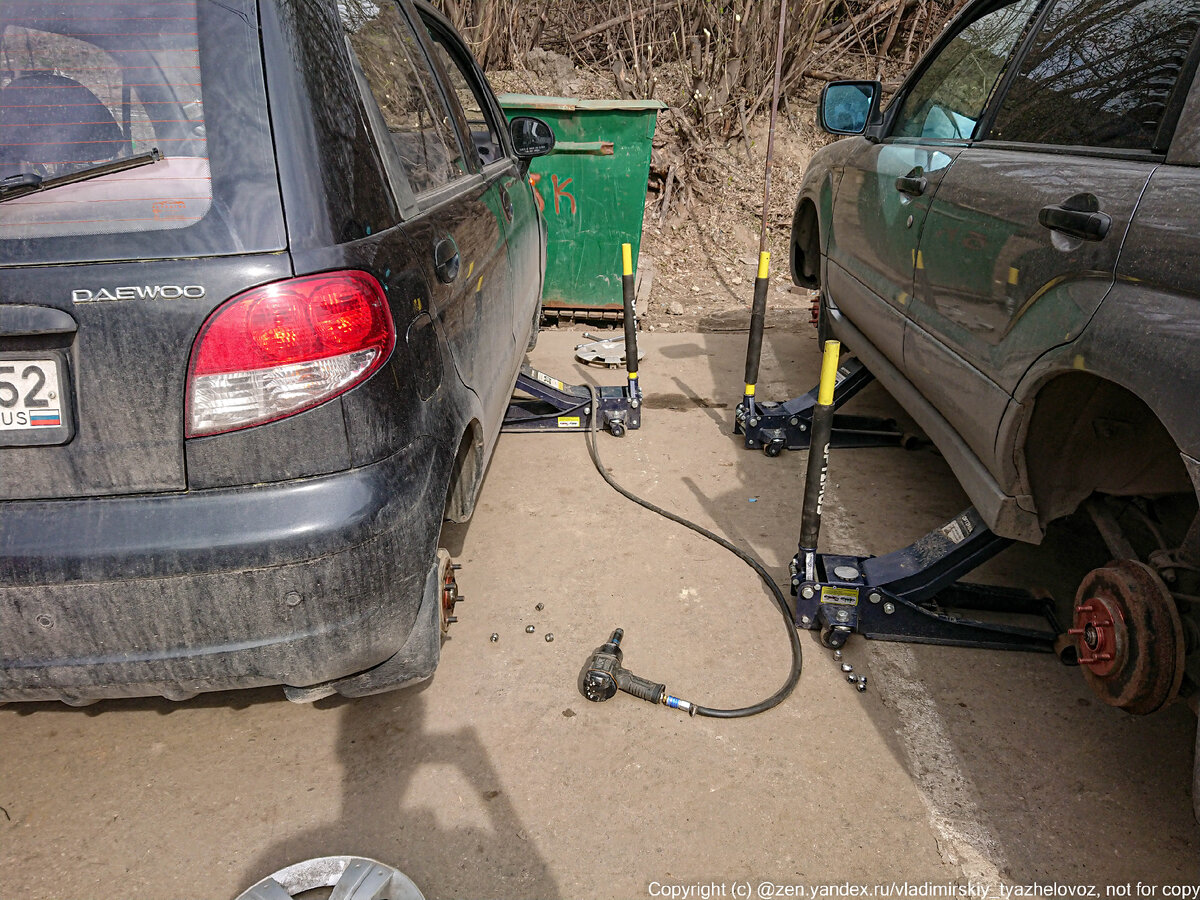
point(848, 107)
point(531, 137)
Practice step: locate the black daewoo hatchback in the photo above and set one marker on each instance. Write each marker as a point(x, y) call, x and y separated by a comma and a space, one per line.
point(267, 274)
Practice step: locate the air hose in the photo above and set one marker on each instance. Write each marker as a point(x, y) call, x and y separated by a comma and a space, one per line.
point(660, 695)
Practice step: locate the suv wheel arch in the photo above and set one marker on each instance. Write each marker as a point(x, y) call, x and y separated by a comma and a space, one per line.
point(1085, 434)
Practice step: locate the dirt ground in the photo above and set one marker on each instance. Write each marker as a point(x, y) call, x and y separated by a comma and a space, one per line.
point(497, 779)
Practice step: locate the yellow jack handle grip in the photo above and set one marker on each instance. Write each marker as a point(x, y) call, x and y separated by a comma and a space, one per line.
point(829, 368)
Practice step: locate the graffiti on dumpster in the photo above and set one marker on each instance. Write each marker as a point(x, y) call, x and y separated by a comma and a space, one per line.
point(559, 191)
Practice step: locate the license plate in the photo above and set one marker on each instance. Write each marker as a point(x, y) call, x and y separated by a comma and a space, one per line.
point(34, 403)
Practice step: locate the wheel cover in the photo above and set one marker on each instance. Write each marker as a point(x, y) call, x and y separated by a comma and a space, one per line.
point(1129, 637)
point(351, 877)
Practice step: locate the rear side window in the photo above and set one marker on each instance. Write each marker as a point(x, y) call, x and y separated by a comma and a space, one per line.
point(86, 88)
point(1100, 73)
point(485, 135)
point(419, 126)
point(948, 98)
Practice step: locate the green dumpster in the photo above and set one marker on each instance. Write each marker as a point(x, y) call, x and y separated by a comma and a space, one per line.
point(591, 189)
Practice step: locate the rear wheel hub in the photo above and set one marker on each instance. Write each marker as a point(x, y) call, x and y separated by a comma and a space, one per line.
point(1128, 636)
point(450, 595)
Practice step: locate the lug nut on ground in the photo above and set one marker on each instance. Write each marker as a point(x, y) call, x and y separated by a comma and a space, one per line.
point(850, 678)
point(837, 654)
point(495, 637)
point(846, 667)
point(529, 629)
point(549, 636)
point(540, 607)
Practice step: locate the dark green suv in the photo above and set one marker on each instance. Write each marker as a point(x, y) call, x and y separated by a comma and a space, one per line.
point(1012, 248)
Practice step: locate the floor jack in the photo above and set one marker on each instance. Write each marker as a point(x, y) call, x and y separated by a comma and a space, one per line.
point(776, 427)
point(552, 405)
point(911, 594)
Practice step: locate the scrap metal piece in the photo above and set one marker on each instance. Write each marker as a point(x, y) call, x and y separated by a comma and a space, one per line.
point(351, 877)
point(606, 352)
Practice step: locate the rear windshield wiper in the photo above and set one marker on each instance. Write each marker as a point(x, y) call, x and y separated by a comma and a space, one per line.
point(24, 183)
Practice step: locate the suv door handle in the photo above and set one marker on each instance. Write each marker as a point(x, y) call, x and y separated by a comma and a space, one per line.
point(913, 184)
point(1089, 224)
point(446, 260)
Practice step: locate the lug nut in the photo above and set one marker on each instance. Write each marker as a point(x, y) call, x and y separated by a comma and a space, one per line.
point(495, 637)
point(846, 667)
point(837, 654)
point(529, 629)
point(862, 679)
point(850, 678)
point(860, 686)
point(549, 636)
point(540, 607)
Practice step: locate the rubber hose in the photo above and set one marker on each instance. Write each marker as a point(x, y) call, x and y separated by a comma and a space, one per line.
point(780, 602)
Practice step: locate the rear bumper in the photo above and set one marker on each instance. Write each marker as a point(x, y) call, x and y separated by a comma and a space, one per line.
point(293, 583)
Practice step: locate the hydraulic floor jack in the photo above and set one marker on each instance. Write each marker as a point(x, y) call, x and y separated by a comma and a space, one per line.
point(911, 594)
point(775, 427)
point(552, 405)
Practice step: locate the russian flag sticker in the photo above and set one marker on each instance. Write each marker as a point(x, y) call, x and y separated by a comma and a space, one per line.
point(49, 417)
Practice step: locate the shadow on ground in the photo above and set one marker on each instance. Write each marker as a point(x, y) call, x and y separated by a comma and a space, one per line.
point(390, 762)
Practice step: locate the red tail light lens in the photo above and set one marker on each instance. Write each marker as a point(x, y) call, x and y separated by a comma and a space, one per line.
point(282, 348)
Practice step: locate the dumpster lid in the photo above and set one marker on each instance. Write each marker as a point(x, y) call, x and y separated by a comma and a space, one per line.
point(570, 104)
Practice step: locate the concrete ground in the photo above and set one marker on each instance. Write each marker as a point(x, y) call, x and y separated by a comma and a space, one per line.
point(497, 779)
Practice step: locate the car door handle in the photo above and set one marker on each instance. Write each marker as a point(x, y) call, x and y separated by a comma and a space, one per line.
point(913, 184)
point(1089, 224)
point(446, 261)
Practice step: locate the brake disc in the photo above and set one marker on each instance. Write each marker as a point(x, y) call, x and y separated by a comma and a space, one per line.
point(1129, 637)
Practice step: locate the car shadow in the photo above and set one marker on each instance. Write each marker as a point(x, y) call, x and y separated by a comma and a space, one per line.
point(388, 755)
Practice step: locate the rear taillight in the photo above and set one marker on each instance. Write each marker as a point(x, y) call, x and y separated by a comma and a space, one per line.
point(285, 347)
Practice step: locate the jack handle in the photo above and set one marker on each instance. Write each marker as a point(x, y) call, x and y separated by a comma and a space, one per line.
point(628, 297)
point(818, 458)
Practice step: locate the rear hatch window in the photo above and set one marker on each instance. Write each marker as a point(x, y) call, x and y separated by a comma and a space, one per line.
point(138, 191)
point(148, 143)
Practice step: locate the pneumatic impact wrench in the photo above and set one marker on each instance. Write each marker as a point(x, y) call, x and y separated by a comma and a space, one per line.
point(603, 675)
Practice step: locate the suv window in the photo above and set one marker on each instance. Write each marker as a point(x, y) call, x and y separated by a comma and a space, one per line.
point(1100, 74)
point(89, 84)
point(404, 89)
point(947, 99)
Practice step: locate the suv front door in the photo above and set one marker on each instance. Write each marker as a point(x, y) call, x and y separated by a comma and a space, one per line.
point(887, 187)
